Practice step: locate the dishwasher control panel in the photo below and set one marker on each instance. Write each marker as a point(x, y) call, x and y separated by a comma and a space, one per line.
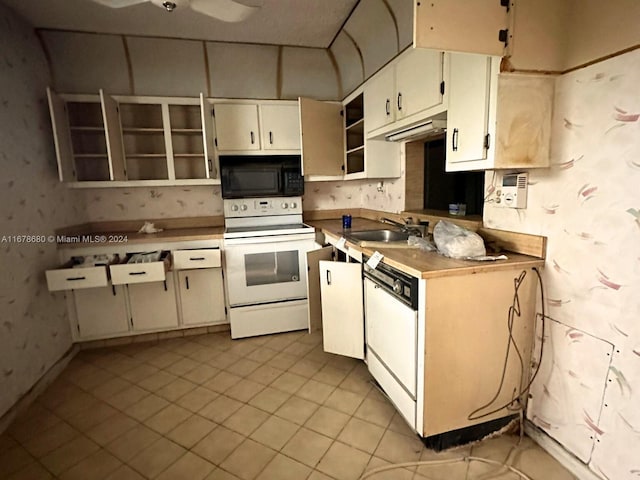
point(399, 284)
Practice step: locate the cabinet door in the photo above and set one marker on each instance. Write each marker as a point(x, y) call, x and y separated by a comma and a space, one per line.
point(418, 79)
point(313, 285)
point(61, 137)
point(342, 316)
point(101, 311)
point(210, 153)
point(201, 296)
point(280, 127)
point(458, 26)
point(322, 133)
point(237, 127)
point(153, 305)
point(113, 135)
point(468, 113)
point(379, 98)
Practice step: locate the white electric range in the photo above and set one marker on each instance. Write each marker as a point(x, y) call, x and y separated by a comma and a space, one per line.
point(266, 243)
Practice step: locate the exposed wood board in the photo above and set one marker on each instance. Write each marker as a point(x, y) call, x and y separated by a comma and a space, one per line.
point(534, 245)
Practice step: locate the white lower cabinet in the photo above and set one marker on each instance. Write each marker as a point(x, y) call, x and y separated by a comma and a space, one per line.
point(342, 313)
point(201, 296)
point(101, 311)
point(110, 297)
point(153, 305)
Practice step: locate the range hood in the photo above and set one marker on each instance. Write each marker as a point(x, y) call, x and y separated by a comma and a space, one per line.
point(427, 128)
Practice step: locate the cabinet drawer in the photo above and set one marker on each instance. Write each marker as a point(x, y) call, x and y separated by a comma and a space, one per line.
point(200, 258)
point(76, 278)
point(140, 272)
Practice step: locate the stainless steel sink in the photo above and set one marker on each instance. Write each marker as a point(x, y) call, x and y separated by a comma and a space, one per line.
point(378, 236)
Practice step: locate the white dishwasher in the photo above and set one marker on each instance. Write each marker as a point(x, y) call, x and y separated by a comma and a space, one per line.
point(391, 320)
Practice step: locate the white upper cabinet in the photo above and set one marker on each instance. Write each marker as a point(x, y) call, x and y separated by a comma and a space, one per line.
point(496, 120)
point(380, 99)
point(452, 25)
point(280, 126)
point(253, 128)
point(418, 79)
point(468, 137)
point(405, 92)
point(237, 127)
point(106, 141)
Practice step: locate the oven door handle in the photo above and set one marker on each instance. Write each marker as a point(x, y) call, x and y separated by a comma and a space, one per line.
point(302, 237)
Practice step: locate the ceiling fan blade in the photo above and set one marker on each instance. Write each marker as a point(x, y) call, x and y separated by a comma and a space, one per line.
point(119, 3)
point(225, 10)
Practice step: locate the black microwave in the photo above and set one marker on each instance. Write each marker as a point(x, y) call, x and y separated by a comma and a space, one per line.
point(246, 176)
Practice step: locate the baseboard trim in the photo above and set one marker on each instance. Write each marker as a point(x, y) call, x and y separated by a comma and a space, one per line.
point(40, 386)
point(553, 448)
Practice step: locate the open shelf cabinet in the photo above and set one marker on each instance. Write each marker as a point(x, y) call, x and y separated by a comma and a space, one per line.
point(133, 140)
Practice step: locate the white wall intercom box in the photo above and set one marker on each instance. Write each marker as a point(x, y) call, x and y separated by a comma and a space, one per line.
point(512, 191)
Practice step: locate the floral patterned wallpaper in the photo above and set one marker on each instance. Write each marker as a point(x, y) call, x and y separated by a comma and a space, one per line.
point(587, 394)
point(34, 330)
point(171, 202)
point(106, 204)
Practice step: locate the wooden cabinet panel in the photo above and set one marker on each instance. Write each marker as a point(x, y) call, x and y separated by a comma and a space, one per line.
point(523, 121)
point(313, 285)
point(452, 25)
point(322, 129)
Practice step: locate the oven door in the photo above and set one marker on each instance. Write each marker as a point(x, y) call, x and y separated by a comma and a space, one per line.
point(267, 269)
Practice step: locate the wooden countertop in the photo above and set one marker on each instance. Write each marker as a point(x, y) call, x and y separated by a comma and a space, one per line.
point(94, 238)
point(425, 264)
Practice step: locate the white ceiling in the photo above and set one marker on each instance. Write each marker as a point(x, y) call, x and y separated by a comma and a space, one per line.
point(309, 23)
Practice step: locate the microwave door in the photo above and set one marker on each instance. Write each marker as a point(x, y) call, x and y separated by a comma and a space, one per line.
point(252, 182)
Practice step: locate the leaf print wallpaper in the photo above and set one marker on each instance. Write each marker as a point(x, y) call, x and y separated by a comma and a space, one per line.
point(34, 330)
point(587, 395)
point(172, 202)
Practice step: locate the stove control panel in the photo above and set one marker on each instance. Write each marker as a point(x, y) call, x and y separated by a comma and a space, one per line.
point(257, 207)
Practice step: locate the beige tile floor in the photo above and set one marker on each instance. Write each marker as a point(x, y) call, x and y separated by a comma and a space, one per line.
point(207, 407)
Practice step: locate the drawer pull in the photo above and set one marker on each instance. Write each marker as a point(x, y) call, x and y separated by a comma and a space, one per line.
point(73, 279)
point(137, 273)
point(186, 278)
point(196, 259)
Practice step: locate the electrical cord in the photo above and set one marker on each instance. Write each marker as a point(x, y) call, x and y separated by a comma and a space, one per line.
point(375, 471)
point(515, 310)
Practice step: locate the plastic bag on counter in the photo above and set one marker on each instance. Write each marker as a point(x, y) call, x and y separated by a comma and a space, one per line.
point(422, 243)
point(457, 242)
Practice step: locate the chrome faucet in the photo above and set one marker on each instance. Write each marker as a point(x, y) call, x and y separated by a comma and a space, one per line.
point(405, 227)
